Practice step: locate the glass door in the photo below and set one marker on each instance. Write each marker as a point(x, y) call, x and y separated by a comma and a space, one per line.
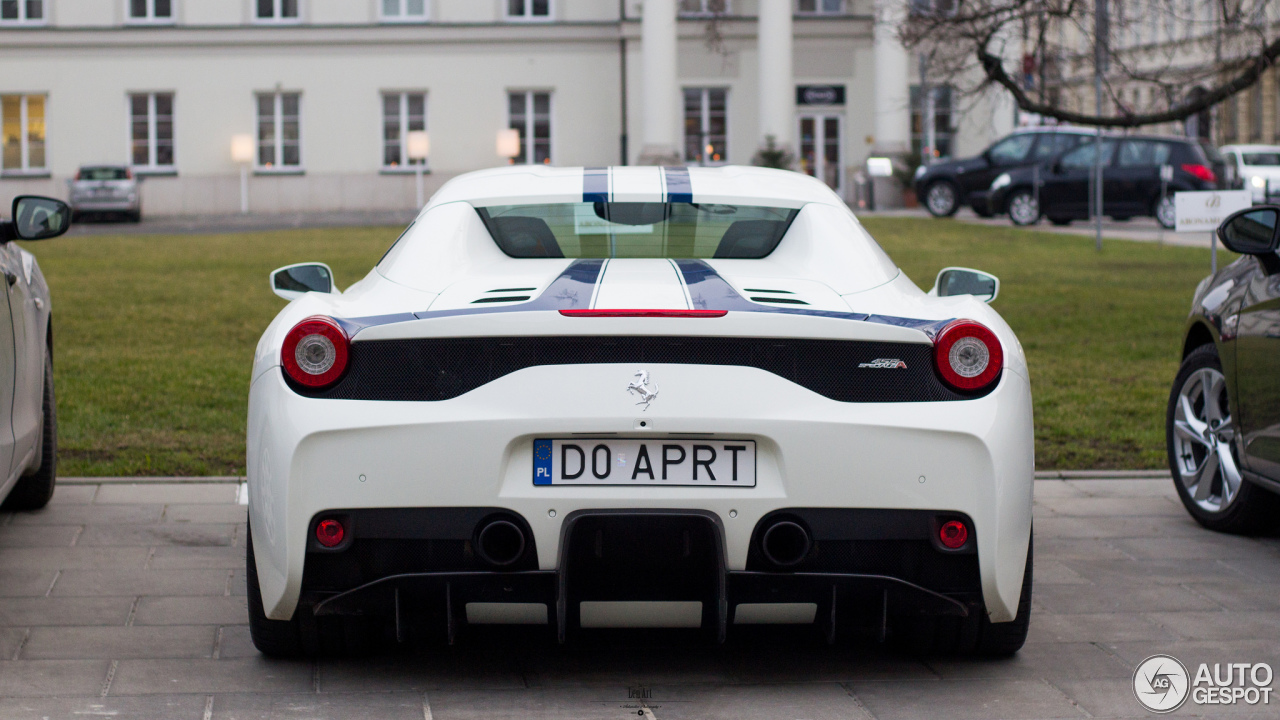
point(820, 148)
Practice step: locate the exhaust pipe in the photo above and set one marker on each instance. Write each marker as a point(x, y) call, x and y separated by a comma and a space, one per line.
point(500, 543)
point(785, 543)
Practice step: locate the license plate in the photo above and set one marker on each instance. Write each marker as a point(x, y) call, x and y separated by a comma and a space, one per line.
point(622, 461)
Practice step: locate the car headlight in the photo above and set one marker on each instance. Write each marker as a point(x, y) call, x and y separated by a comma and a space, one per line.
point(920, 171)
point(1258, 182)
point(1001, 181)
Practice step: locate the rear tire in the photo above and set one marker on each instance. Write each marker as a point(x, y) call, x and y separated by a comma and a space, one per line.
point(1164, 212)
point(975, 635)
point(273, 638)
point(34, 491)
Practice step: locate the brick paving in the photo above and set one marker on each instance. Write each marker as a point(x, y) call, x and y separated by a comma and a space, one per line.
point(128, 601)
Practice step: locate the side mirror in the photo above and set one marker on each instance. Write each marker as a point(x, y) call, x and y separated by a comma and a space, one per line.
point(964, 281)
point(292, 281)
point(37, 218)
point(1251, 231)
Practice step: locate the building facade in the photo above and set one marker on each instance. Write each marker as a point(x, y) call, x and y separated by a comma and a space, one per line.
point(329, 89)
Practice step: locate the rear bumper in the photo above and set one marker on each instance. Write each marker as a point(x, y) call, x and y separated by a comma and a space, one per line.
point(105, 205)
point(308, 456)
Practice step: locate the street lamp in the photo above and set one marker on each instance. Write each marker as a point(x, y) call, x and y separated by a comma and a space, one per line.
point(508, 145)
point(417, 147)
point(242, 153)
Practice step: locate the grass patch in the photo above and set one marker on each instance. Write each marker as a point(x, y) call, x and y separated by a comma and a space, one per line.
point(154, 335)
point(1102, 331)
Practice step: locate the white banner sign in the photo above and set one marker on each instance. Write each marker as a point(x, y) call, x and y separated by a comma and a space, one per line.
point(1204, 211)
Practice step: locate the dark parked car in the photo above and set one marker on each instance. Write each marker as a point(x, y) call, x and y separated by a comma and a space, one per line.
point(1223, 421)
point(944, 186)
point(1059, 188)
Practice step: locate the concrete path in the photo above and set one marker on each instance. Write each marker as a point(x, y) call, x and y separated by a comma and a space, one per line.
point(217, 224)
point(128, 600)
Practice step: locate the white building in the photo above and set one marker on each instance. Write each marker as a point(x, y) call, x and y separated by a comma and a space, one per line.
point(329, 88)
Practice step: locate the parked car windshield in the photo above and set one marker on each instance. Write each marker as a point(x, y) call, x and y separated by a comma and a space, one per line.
point(103, 173)
point(1263, 158)
point(636, 229)
point(1011, 150)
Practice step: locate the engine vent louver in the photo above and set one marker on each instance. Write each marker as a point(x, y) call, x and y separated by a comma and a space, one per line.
point(780, 301)
point(502, 299)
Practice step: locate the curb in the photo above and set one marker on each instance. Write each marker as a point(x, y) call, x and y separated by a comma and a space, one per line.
point(1102, 475)
point(172, 480)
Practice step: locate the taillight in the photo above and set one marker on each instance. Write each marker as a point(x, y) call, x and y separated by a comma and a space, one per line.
point(953, 535)
point(1201, 172)
point(330, 533)
point(968, 355)
point(128, 173)
point(315, 352)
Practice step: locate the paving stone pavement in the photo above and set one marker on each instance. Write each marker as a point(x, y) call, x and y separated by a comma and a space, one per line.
point(128, 601)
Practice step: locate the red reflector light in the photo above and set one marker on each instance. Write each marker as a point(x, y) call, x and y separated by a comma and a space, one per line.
point(953, 534)
point(967, 355)
point(314, 352)
point(645, 313)
point(330, 533)
point(1200, 171)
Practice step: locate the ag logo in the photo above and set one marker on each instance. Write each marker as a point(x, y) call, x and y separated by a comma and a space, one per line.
point(1161, 683)
point(1213, 201)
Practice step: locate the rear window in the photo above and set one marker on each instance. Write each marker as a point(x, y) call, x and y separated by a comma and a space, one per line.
point(636, 230)
point(104, 173)
point(1267, 158)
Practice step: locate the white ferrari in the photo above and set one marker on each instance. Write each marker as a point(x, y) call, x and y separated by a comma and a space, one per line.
point(638, 397)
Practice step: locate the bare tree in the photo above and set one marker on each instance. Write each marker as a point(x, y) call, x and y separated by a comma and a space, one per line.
point(1163, 60)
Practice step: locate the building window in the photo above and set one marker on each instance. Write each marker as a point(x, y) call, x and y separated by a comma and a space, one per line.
point(942, 128)
point(22, 11)
point(402, 113)
point(529, 9)
point(150, 11)
point(820, 7)
point(1227, 114)
point(704, 7)
point(529, 114)
point(151, 130)
point(404, 10)
point(276, 10)
point(22, 120)
point(706, 130)
point(1255, 112)
point(278, 131)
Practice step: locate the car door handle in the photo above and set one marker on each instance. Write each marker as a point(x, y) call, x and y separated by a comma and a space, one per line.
point(11, 277)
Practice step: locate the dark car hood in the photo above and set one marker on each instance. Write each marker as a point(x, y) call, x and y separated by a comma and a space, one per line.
point(958, 167)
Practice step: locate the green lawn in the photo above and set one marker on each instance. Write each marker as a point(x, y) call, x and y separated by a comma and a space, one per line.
point(154, 335)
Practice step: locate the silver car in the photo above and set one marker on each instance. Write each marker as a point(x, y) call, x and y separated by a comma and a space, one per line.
point(29, 436)
point(106, 189)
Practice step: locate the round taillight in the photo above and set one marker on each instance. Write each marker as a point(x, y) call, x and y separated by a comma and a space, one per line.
point(330, 533)
point(968, 355)
point(953, 534)
point(315, 351)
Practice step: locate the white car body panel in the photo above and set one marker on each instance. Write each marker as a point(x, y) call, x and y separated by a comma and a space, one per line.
point(307, 455)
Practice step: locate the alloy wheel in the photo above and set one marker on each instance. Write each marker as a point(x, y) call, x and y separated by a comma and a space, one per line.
point(1165, 213)
point(1024, 209)
point(941, 198)
point(1203, 438)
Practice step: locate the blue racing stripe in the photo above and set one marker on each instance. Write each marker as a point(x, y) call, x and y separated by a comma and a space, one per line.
point(709, 291)
point(595, 184)
point(679, 188)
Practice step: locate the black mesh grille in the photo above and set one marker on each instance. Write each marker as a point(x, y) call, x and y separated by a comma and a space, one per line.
point(430, 369)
